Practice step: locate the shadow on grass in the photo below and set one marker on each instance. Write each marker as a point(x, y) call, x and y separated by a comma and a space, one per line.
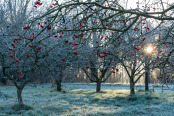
point(15, 109)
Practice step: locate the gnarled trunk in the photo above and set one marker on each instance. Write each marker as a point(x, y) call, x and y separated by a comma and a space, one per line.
point(132, 90)
point(58, 83)
point(19, 95)
point(19, 91)
point(98, 87)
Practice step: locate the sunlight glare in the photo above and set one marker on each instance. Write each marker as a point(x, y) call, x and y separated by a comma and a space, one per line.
point(149, 49)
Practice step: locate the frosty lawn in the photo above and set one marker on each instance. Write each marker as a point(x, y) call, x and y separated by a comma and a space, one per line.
point(81, 99)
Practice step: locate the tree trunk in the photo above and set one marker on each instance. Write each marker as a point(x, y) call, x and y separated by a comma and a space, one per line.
point(132, 91)
point(146, 74)
point(19, 95)
point(58, 83)
point(3, 70)
point(146, 81)
point(98, 87)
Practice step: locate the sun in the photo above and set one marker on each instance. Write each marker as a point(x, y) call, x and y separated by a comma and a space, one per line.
point(149, 49)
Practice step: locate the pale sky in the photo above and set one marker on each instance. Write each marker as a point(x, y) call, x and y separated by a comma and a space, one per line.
point(133, 3)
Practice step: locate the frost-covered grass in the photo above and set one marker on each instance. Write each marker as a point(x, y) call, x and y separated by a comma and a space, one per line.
point(81, 99)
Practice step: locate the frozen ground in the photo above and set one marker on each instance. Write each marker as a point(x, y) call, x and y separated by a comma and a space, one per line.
point(82, 100)
point(109, 86)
